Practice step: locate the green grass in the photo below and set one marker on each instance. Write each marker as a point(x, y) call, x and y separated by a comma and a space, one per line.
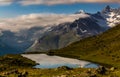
point(103, 48)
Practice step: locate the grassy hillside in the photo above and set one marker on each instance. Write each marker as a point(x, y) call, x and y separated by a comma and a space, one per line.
point(9, 62)
point(104, 48)
point(18, 66)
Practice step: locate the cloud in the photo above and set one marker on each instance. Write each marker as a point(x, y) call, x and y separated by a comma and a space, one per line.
point(6, 2)
point(36, 20)
point(54, 2)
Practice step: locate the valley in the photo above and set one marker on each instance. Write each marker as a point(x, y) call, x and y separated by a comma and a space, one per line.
point(108, 58)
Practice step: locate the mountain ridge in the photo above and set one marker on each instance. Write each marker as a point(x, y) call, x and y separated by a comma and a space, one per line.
point(77, 30)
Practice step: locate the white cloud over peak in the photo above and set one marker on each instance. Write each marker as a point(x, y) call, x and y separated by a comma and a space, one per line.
point(53, 2)
point(34, 20)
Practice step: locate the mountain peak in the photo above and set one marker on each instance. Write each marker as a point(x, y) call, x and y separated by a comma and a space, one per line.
point(106, 9)
point(80, 11)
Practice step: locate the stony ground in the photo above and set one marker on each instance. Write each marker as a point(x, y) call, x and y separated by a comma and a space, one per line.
point(62, 72)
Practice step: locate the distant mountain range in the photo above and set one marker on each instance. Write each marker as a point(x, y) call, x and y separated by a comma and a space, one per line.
point(43, 38)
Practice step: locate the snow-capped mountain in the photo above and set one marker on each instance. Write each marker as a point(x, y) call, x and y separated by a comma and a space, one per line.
point(109, 17)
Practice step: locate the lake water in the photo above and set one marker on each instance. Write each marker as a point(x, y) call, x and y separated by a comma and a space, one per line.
point(46, 61)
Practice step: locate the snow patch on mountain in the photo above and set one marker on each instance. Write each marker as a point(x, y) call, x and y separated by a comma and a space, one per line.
point(20, 41)
point(80, 11)
point(113, 19)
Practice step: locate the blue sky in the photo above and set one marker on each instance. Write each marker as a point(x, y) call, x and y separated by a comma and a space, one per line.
point(15, 9)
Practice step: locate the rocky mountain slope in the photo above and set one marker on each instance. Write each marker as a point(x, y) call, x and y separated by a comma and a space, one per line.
point(15, 43)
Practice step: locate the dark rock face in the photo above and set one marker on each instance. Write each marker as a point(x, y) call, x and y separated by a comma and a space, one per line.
point(106, 9)
point(101, 70)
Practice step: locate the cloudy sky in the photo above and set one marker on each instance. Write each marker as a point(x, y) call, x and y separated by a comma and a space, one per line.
point(13, 8)
point(16, 15)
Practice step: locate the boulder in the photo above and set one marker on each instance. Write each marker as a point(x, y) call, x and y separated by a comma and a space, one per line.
point(101, 70)
point(64, 68)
